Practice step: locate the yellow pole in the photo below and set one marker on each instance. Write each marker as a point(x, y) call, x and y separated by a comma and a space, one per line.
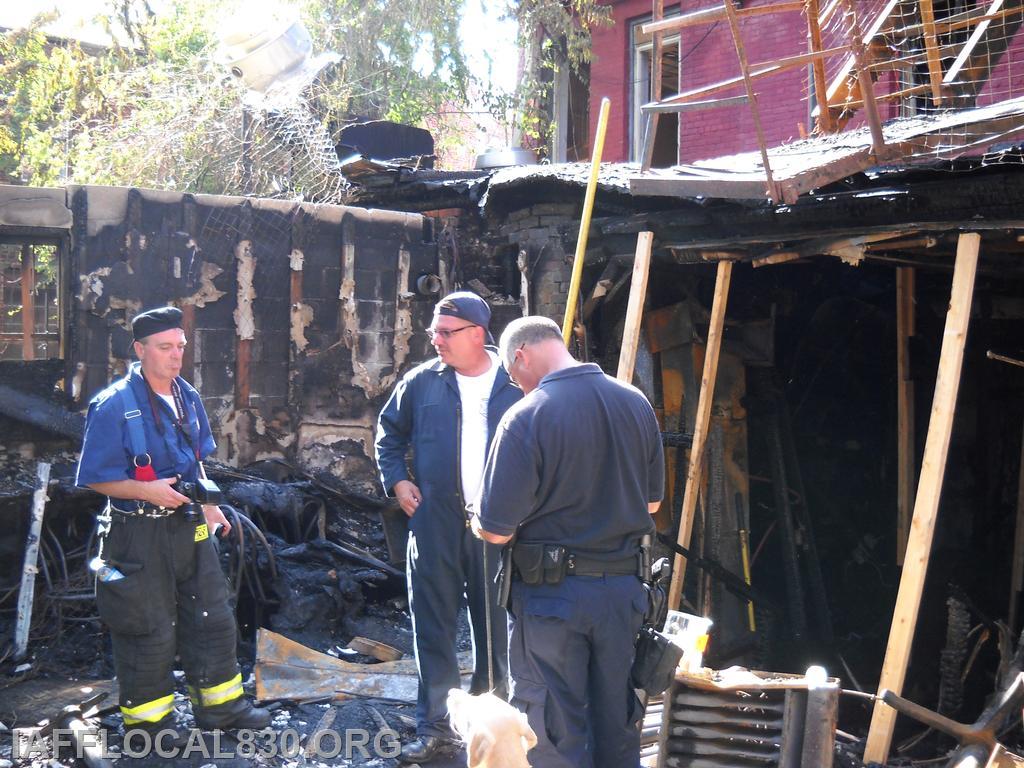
point(745, 552)
point(588, 207)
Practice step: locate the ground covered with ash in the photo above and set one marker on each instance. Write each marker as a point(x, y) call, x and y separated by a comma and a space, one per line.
point(308, 559)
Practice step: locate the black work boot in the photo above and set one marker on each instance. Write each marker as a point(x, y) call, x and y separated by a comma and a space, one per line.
point(239, 713)
point(423, 749)
point(147, 737)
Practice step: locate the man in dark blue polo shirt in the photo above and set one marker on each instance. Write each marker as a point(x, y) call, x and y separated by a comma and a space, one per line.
point(575, 471)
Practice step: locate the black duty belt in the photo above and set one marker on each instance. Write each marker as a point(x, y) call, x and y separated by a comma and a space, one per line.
point(577, 565)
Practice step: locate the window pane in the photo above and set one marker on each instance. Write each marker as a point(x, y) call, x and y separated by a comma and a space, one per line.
point(42, 277)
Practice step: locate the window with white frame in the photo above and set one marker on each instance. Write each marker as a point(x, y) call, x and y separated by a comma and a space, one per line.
point(666, 142)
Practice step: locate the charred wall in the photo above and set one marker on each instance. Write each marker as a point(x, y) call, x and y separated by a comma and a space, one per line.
point(300, 317)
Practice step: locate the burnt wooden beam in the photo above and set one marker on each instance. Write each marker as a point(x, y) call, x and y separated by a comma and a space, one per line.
point(905, 322)
point(825, 122)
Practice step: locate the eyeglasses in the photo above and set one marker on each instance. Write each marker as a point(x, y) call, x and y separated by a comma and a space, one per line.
point(433, 333)
point(515, 359)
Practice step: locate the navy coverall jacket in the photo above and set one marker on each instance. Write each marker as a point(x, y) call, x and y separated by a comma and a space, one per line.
point(443, 561)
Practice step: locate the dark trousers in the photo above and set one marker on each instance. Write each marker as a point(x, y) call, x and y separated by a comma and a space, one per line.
point(173, 599)
point(570, 651)
point(444, 562)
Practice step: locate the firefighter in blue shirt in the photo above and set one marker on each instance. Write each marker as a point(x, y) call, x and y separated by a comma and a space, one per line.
point(160, 588)
point(575, 471)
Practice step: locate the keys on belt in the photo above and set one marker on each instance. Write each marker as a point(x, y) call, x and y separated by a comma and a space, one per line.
point(142, 509)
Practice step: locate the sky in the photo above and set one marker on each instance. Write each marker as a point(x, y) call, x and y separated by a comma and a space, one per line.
point(488, 41)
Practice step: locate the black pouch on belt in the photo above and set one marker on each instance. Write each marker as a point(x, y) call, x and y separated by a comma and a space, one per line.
point(556, 563)
point(654, 666)
point(529, 562)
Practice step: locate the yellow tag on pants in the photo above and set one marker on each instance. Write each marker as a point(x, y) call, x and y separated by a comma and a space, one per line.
point(202, 532)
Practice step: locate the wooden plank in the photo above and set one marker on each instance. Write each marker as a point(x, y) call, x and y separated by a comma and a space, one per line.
point(26, 593)
point(929, 491)
point(828, 12)
point(700, 427)
point(851, 106)
point(825, 122)
point(760, 70)
point(867, 88)
point(28, 310)
point(717, 13)
point(736, 189)
point(972, 43)
point(904, 409)
point(657, 61)
point(841, 90)
point(1017, 569)
point(748, 84)
point(780, 257)
point(635, 307)
point(931, 47)
point(962, 20)
point(694, 106)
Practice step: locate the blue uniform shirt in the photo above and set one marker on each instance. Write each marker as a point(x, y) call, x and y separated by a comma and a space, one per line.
point(106, 452)
point(575, 463)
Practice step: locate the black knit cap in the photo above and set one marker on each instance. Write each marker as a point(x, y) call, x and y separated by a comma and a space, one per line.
point(154, 321)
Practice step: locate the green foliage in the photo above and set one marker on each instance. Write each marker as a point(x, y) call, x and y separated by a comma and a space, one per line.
point(554, 35)
point(402, 58)
point(160, 110)
point(40, 86)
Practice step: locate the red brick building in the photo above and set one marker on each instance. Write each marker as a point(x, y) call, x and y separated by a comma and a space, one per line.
point(702, 55)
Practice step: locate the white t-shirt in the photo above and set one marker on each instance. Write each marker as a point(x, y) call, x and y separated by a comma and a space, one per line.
point(475, 392)
point(169, 399)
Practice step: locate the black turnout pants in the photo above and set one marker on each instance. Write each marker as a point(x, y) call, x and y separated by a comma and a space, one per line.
point(173, 599)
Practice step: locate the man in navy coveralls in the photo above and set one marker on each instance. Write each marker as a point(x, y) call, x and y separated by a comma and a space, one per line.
point(444, 413)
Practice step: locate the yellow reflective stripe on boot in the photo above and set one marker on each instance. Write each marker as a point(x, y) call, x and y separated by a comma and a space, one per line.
point(219, 694)
point(150, 712)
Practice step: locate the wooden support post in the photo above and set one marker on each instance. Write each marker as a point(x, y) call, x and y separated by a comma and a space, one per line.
point(28, 312)
point(931, 46)
point(929, 490)
point(741, 52)
point(1017, 568)
point(904, 408)
point(635, 307)
point(867, 89)
point(825, 122)
point(31, 567)
point(700, 427)
point(657, 57)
